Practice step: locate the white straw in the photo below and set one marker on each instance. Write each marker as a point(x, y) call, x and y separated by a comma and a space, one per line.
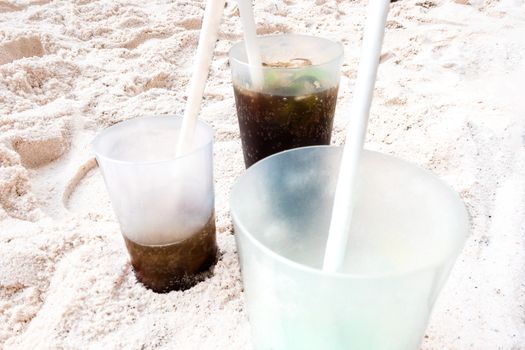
point(207, 39)
point(250, 41)
point(355, 136)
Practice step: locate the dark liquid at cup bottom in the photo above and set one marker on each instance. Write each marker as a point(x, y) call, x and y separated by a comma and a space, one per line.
point(176, 266)
point(271, 123)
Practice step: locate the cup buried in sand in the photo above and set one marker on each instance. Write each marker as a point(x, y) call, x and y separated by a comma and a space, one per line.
point(294, 104)
point(407, 229)
point(164, 203)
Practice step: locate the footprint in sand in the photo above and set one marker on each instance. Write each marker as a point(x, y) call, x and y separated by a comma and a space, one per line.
point(29, 143)
point(19, 48)
point(37, 149)
point(6, 6)
point(143, 36)
point(191, 23)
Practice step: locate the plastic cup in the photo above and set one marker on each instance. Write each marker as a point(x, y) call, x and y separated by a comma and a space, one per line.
point(295, 105)
point(164, 203)
point(408, 228)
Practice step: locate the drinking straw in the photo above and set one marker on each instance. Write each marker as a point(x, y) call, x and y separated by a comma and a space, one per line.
point(207, 39)
point(250, 41)
point(344, 199)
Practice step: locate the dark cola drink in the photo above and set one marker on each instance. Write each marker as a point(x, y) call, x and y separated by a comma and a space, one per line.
point(177, 266)
point(271, 122)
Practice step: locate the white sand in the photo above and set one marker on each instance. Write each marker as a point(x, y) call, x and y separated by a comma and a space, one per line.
point(449, 97)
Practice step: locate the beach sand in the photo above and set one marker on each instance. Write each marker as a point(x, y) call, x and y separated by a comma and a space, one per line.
point(449, 96)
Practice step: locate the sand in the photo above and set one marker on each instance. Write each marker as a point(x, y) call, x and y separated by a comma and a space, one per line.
point(449, 97)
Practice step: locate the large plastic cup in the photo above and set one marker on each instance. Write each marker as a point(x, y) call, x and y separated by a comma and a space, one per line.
point(408, 228)
point(164, 203)
point(295, 105)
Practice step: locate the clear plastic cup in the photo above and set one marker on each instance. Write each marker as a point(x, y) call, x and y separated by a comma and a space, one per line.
point(408, 228)
point(295, 105)
point(164, 203)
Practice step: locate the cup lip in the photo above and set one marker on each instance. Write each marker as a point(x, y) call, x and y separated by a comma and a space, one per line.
point(450, 256)
point(336, 58)
point(101, 134)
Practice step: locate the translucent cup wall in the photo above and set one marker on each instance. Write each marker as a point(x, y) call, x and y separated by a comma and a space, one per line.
point(295, 105)
point(160, 199)
point(324, 59)
point(407, 231)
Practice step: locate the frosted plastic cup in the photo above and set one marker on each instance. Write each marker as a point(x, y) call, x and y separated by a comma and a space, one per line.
point(295, 105)
point(407, 230)
point(164, 203)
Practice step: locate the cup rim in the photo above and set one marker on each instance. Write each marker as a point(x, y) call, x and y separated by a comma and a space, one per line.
point(339, 56)
point(451, 255)
point(102, 134)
